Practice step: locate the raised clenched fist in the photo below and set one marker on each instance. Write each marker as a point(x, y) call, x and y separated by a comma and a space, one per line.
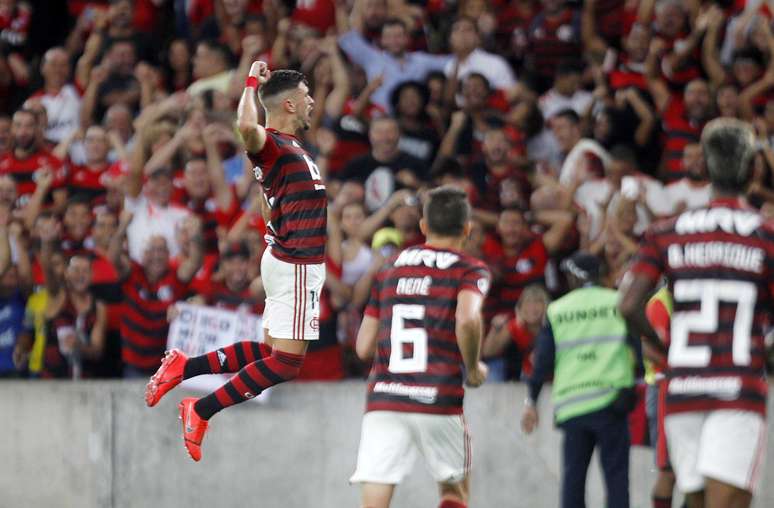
point(260, 71)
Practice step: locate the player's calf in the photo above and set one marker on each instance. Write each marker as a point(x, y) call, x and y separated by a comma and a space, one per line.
point(231, 358)
point(250, 381)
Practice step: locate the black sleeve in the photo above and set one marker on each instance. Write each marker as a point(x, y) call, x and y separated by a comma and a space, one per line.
point(545, 353)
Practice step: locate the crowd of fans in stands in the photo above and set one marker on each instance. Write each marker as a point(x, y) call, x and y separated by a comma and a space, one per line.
point(124, 187)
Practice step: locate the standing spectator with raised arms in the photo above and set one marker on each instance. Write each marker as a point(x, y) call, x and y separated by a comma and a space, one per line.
point(393, 63)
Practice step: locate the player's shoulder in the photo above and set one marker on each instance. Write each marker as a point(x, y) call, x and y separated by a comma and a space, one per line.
point(283, 139)
point(722, 217)
point(430, 257)
point(473, 263)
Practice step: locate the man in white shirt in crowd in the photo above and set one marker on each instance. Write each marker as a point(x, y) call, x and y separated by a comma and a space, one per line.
point(566, 92)
point(469, 58)
point(153, 212)
point(694, 190)
point(61, 99)
point(622, 177)
point(211, 68)
point(393, 64)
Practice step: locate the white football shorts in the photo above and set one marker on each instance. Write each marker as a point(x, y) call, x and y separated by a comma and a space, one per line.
point(292, 298)
point(390, 442)
point(725, 445)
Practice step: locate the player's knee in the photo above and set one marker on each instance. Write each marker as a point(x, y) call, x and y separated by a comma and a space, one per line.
point(452, 493)
point(287, 365)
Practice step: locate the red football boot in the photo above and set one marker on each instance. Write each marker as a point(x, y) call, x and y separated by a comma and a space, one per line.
point(194, 428)
point(167, 377)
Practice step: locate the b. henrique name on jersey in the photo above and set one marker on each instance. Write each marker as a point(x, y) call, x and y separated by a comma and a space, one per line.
point(720, 265)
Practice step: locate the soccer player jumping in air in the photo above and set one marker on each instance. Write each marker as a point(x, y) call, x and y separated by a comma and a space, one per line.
point(421, 326)
point(292, 266)
point(719, 264)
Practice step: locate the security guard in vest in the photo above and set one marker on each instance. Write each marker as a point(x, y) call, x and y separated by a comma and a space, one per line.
point(585, 345)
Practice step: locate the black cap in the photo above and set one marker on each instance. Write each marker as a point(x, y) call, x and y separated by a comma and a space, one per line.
point(238, 249)
point(583, 266)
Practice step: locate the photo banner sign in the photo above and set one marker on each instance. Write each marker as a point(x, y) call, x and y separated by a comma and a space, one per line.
point(199, 329)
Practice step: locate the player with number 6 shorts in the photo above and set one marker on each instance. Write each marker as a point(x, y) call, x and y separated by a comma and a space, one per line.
point(422, 328)
point(719, 264)
point(292, 267)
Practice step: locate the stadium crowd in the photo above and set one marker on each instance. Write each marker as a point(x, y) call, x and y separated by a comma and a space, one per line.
point(124, 187)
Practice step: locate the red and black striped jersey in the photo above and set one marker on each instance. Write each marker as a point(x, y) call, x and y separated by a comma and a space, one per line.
point(627, 74)
point(89, 181)
point(678, 132)
point(514, 272)
point(67, 321)
point(25, 172)
point(144, 324)
point(719, 262)
point(296, 195)
point(418, 366)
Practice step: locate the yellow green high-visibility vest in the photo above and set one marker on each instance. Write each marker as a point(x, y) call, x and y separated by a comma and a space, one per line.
point(593, 359)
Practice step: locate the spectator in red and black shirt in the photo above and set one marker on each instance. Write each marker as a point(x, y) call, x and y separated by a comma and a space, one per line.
point(629, 66)
point(86, 179)
point(680, 58)
point(76, 321)
point(77, 221)
point(26, 158)
point(491, 174)
point(149, 289)
point(518, 257)
point(682, 122)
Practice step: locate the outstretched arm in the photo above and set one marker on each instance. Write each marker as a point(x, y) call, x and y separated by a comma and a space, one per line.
point(189, 267)
point(253, 134)
point(656, 85)
point(115, 248)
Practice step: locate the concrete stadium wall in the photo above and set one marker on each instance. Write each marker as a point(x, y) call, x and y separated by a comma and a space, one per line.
point(95, 444)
